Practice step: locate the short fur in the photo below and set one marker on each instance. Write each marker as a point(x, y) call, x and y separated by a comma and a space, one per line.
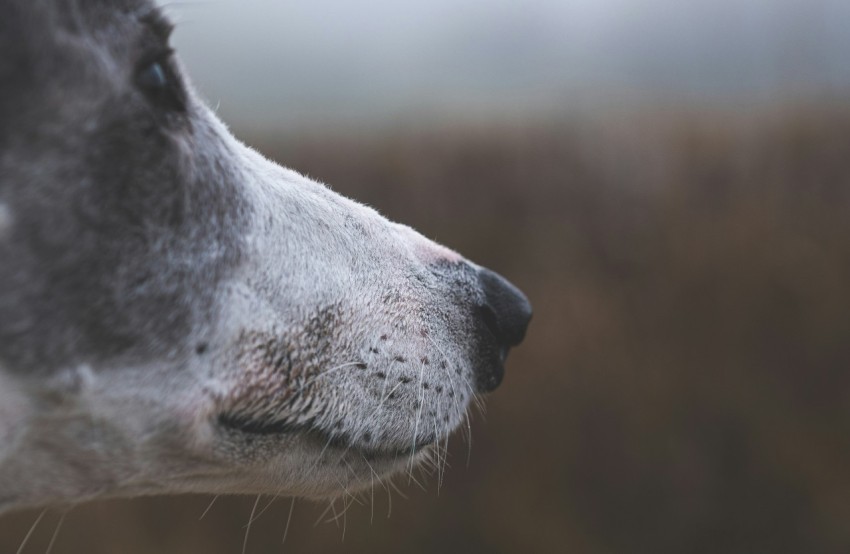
point(178, 313)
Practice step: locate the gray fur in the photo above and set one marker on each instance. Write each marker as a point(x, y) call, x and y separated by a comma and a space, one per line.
point(178, 313)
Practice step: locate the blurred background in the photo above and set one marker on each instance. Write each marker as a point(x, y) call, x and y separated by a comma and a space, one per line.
point(669, 182)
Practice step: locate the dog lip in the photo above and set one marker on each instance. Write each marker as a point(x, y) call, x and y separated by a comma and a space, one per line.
point(322, 437)
point(257, 426)
point(385, 453)
point(344, 443)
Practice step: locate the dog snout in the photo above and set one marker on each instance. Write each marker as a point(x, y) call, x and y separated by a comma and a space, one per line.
point(504, 316)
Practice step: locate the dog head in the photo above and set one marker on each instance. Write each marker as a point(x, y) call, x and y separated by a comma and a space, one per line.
point(179, 314)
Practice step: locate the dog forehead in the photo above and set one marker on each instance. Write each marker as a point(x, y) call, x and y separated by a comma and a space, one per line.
point(29, 24)
point(55, 45)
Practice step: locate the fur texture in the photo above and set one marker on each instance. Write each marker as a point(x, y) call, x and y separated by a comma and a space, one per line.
point(178, 313)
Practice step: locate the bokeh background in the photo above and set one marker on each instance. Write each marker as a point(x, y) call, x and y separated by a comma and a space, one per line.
point(669, 181)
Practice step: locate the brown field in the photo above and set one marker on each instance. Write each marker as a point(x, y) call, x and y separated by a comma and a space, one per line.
point(685, 384)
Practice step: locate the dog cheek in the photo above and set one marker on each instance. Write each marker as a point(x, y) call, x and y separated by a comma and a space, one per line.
point(6, 220)
point(193, 414)
point(14, 412)
point(272, 381)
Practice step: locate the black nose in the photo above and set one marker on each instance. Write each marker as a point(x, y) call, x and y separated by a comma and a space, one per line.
point(505, 314)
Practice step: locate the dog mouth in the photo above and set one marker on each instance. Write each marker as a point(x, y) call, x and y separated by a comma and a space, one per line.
point(323, 438)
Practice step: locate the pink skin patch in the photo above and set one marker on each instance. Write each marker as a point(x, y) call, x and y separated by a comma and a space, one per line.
point(426, 250)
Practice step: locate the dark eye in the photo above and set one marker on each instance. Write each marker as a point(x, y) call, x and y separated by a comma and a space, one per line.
point(158, 80)
point(152, 77)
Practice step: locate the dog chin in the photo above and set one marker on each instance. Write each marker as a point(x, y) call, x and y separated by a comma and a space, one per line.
point(359, 473)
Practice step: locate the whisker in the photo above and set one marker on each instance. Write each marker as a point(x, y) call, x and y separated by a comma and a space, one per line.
point(210, 505)
point(397, 490)
point(468, 439)
point(410, 477)
point(419, 412)
point(345, 516)
point(372, 476)
point(266, 507)
point(446, 370)
point(336, 517)
point(324, 513)
point(389, 497)
point(325, 373)
point(248, 526)
point(354, 473)
point(56, 531)
point(29, 533)
point(320, 456)
point(440, 459)
point(288, 520)
point(446, 454)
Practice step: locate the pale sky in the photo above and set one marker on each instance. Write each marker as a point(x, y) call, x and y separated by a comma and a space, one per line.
point(273, 62)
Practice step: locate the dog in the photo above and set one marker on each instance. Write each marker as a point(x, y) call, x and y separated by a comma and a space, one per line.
point(179, 314)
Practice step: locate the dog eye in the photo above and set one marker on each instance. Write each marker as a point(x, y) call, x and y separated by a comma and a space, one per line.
point(158, 80)
point(153, 77)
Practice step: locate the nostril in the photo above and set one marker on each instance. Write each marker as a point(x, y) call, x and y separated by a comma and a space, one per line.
point(488, 316)
point(507, 311)
point(502, 319)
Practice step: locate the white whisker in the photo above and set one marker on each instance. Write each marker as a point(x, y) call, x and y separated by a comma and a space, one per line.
point(210, 505)
point(468, 439)
point(288, 520)
point(29, 533)
point(324, 513)
point(266, 507)
point(325, 373)
point(336, 517)
point(419, 412)
point(248, 526)
point(56, 532)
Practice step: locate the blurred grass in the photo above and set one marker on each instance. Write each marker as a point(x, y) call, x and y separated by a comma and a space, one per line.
point(685, 384)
